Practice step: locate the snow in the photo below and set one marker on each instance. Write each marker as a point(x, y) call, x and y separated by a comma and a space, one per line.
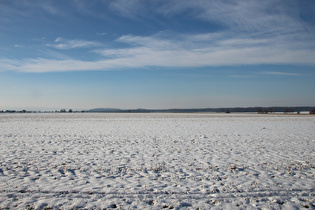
point(155, 161)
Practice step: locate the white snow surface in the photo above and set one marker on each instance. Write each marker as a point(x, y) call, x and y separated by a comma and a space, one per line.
point(157, 161)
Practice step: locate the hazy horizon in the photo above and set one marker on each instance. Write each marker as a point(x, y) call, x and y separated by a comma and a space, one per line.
point(106, 109)
point(156, 54)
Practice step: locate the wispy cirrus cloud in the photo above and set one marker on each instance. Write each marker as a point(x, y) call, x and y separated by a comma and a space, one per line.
point(64, 44)
point(210, 49)
point(252, 33)
point(30, 9)
point(190, 51)
point(101, 34)
point(127, 8)
point(278, 73)
point(260, 17)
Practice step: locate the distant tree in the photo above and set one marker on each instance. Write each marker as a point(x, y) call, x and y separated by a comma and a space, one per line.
point(70, 110)
point(63, 111)
point(227, 111)
point(286, 111)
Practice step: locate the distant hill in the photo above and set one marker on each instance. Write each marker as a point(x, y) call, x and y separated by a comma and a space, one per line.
point(104, 110)
point(219, 110)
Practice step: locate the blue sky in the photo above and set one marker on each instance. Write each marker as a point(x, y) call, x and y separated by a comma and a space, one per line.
point(156, 54)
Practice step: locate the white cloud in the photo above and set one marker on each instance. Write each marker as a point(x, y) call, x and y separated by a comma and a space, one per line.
point(261, 17)
point(254, 32)
point(155, 51)
point(127, 8)
point(30, 8)
point(205, 49)
point(101, 34)
point(61, 43)
point(277, 73)
point(9, 64)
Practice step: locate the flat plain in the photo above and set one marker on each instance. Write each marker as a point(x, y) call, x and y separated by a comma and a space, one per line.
point(157, 161)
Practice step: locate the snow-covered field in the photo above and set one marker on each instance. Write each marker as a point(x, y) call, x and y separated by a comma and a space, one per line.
point(157, 161)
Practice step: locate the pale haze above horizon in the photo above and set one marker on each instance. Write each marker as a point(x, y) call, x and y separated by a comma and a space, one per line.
point(153, 54)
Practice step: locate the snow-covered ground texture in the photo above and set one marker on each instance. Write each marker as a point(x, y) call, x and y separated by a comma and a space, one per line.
point(157, 161)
